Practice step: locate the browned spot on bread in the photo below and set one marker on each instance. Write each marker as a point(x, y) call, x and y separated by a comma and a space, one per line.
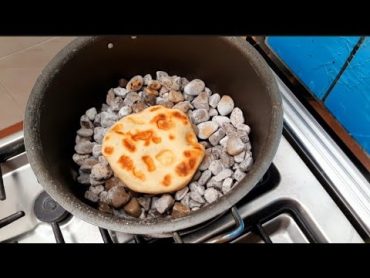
point(166, 180)
point(106, 138)
point(187, 153)
point(108, 150)
point(143, 135)
point(149, 163)
point(198, 147)
point(182, 169)
point(118, 128)
point(190, 138)
point(130, 146)
point(171, 137)
point(180, 116)
point(165, 157)
point(155, 108)
point(162, 121)
point(156, 140)
point(138, 174)
point(192, 162)
point(126, 162)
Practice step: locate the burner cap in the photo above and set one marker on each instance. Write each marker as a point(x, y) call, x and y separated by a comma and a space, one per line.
point(47, 210)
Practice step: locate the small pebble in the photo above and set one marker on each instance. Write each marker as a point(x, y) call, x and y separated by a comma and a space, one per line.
point(112, 182)
point(176, 83)
point(225, 105)
point(237, 117)
point(163, 91)
point(104, 207)
point(180, 194)
point(194, 204)
point(211, 195)
point(96, 150)
point(147, 78)
point(110, 97)
point(194, 195)
point(214, 100)
point(226, 160)
point(83, 178)
point(183, 106)
point(220, 120)
point(160, 75)
point(246, 164)
point(216, 151)
point(118, 196)
point(184, 82)
point(188, 97)
point(96, 189)
point(87, 164)
point(201, 101)
point(131, 98)
point(223, 141)
point(206, 160)
point(91, 113)
point(215, 138)
point(213, 112)
point(216, 167)
point(84, 147)
point(199, 116)
point(175, 96)
point(227, 185)
point(124, 111)
point(206, 175)
point(102, 160)
point(239, 157)
point(79, 158)
point(243, 127)
point(85, 132)
point(99, 134)
point(196, 175)
point(223, 175)
point(206, 129)
point(85, 122)
point(179, 210)
point(229, 129)
point(138, 107)
point(135, 83)
point(186, 199)
point(234, 145)
point(164, 203)
point(194, 87)
point(239, 175)
point(213, 183)
point(101, 172)
point(95, 182)
point(194, 186)
point(107, 119)
point(91, 196)
point(208, 91)
point(133, 208)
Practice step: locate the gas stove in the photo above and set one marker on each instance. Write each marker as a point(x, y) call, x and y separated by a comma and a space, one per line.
point(311, 193)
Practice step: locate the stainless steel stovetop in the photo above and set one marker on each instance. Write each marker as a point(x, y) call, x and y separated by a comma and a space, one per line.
point(298, 208)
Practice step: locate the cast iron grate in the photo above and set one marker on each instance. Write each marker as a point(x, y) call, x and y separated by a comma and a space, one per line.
point(12, 150)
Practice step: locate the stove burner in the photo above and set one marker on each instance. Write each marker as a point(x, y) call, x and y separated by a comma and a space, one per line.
point(47, 210)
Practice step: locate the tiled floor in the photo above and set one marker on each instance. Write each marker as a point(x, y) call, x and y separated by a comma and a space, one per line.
point(21, 61)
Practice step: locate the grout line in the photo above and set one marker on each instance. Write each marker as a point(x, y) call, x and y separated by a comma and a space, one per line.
point(27, 48)
point(344, 67)
point(8, 92)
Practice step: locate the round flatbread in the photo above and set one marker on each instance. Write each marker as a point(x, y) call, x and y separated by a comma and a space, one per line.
point(154, 151)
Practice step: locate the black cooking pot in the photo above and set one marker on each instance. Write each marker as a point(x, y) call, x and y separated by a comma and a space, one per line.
point(79, 77)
